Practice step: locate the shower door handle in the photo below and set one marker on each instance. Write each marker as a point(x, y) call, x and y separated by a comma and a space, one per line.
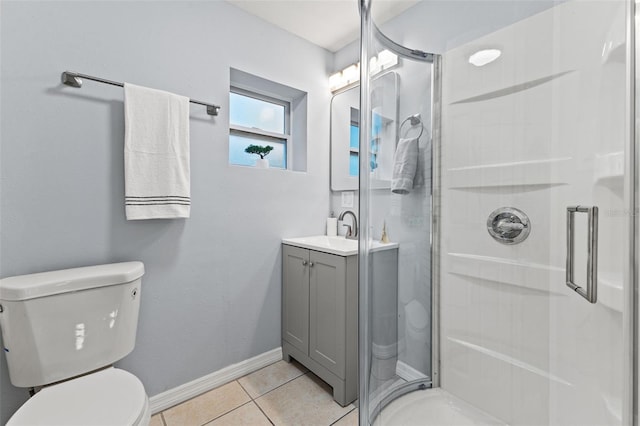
point(591, 291)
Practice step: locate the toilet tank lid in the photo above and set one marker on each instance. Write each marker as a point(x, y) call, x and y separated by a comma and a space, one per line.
point(24, 287)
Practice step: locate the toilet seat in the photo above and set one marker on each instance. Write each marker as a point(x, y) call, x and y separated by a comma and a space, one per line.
point(105, 398)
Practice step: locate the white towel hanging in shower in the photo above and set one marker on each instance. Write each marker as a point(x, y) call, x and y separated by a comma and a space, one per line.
point(405, 164)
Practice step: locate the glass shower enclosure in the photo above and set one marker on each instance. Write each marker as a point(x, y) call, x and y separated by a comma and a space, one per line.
point(510, 297)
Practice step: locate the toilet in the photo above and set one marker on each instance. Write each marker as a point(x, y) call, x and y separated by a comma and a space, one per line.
point(62, 331)
point(416, 336)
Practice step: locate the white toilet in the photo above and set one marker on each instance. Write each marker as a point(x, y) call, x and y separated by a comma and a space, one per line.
point(416, 336)
point(61, 331)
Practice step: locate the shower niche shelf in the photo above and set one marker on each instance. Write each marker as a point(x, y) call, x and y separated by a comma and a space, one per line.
point(609, 166)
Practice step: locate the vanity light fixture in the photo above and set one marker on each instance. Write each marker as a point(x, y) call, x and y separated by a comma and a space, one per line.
point(351, 75)
point(344, 78)
point(485, 56)
point(383, 61)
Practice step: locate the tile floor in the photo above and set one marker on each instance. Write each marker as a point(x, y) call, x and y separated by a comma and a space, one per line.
point(279, 394)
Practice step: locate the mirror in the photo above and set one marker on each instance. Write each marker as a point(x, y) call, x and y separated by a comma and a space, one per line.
point(345, 131)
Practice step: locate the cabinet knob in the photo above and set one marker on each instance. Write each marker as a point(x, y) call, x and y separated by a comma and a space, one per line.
point(304, 262)
point(311, 264)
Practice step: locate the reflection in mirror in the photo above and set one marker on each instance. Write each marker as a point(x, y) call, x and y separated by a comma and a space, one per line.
point(354, 142)
point(345, 133)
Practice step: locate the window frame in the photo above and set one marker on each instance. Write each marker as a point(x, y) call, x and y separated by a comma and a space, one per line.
point(235, 129)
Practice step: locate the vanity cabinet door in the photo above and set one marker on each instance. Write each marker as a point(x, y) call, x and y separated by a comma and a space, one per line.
point(295, 297)
point(327, 310)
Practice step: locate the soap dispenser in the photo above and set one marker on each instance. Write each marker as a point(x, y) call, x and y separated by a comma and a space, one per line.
point(384, 238)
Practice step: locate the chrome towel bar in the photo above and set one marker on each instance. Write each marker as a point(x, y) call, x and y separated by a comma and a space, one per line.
point(74, 79)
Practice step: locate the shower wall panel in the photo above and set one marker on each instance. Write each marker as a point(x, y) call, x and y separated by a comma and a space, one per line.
point(538, 129)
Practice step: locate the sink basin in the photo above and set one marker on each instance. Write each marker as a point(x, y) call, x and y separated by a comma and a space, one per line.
point(334, 245)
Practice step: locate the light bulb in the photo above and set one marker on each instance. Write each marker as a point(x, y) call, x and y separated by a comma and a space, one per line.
point(483, 57)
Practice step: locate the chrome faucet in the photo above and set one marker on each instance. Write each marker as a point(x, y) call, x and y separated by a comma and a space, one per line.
point(352, 230)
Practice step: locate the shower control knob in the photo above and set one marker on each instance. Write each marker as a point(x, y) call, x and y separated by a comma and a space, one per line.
point(508, 225)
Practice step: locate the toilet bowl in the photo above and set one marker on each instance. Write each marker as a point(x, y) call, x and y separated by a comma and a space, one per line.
point(416, 321)
point(416, 336)
point(106, 398)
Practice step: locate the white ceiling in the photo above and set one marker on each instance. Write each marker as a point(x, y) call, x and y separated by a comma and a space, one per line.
point(331, 24)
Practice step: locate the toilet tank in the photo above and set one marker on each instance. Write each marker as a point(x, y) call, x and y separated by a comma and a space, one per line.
point(60, 324)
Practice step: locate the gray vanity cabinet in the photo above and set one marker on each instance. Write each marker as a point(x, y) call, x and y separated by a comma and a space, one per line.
point(320, 316)
point(327, 310)
point(295, 296)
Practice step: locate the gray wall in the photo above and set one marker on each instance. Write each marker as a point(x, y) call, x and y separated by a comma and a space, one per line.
point(211, 293)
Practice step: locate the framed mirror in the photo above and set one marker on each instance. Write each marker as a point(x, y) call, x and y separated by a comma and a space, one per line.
point(345, 133)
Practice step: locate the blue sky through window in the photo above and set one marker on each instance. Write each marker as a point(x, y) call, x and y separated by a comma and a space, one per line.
point(250, 112)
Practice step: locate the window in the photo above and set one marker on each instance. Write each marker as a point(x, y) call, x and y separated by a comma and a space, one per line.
point(256, 119)
point(265, 113)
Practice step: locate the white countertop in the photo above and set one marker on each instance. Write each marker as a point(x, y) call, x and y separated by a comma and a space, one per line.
point(335, 245)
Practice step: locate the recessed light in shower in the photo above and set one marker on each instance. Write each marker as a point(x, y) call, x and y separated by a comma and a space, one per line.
point(485, 56)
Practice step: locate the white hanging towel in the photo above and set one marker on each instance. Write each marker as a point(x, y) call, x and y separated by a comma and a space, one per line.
point(405, 164)
point(156, 154)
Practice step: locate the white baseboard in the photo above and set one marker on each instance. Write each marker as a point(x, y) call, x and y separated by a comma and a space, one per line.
point(408, 373)
point(181, 393)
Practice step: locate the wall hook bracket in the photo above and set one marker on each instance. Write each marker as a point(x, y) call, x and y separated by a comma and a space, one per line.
point(71, 79)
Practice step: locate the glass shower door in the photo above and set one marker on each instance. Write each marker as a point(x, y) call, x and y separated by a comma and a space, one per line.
point(519, 246)
point(397, 236)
